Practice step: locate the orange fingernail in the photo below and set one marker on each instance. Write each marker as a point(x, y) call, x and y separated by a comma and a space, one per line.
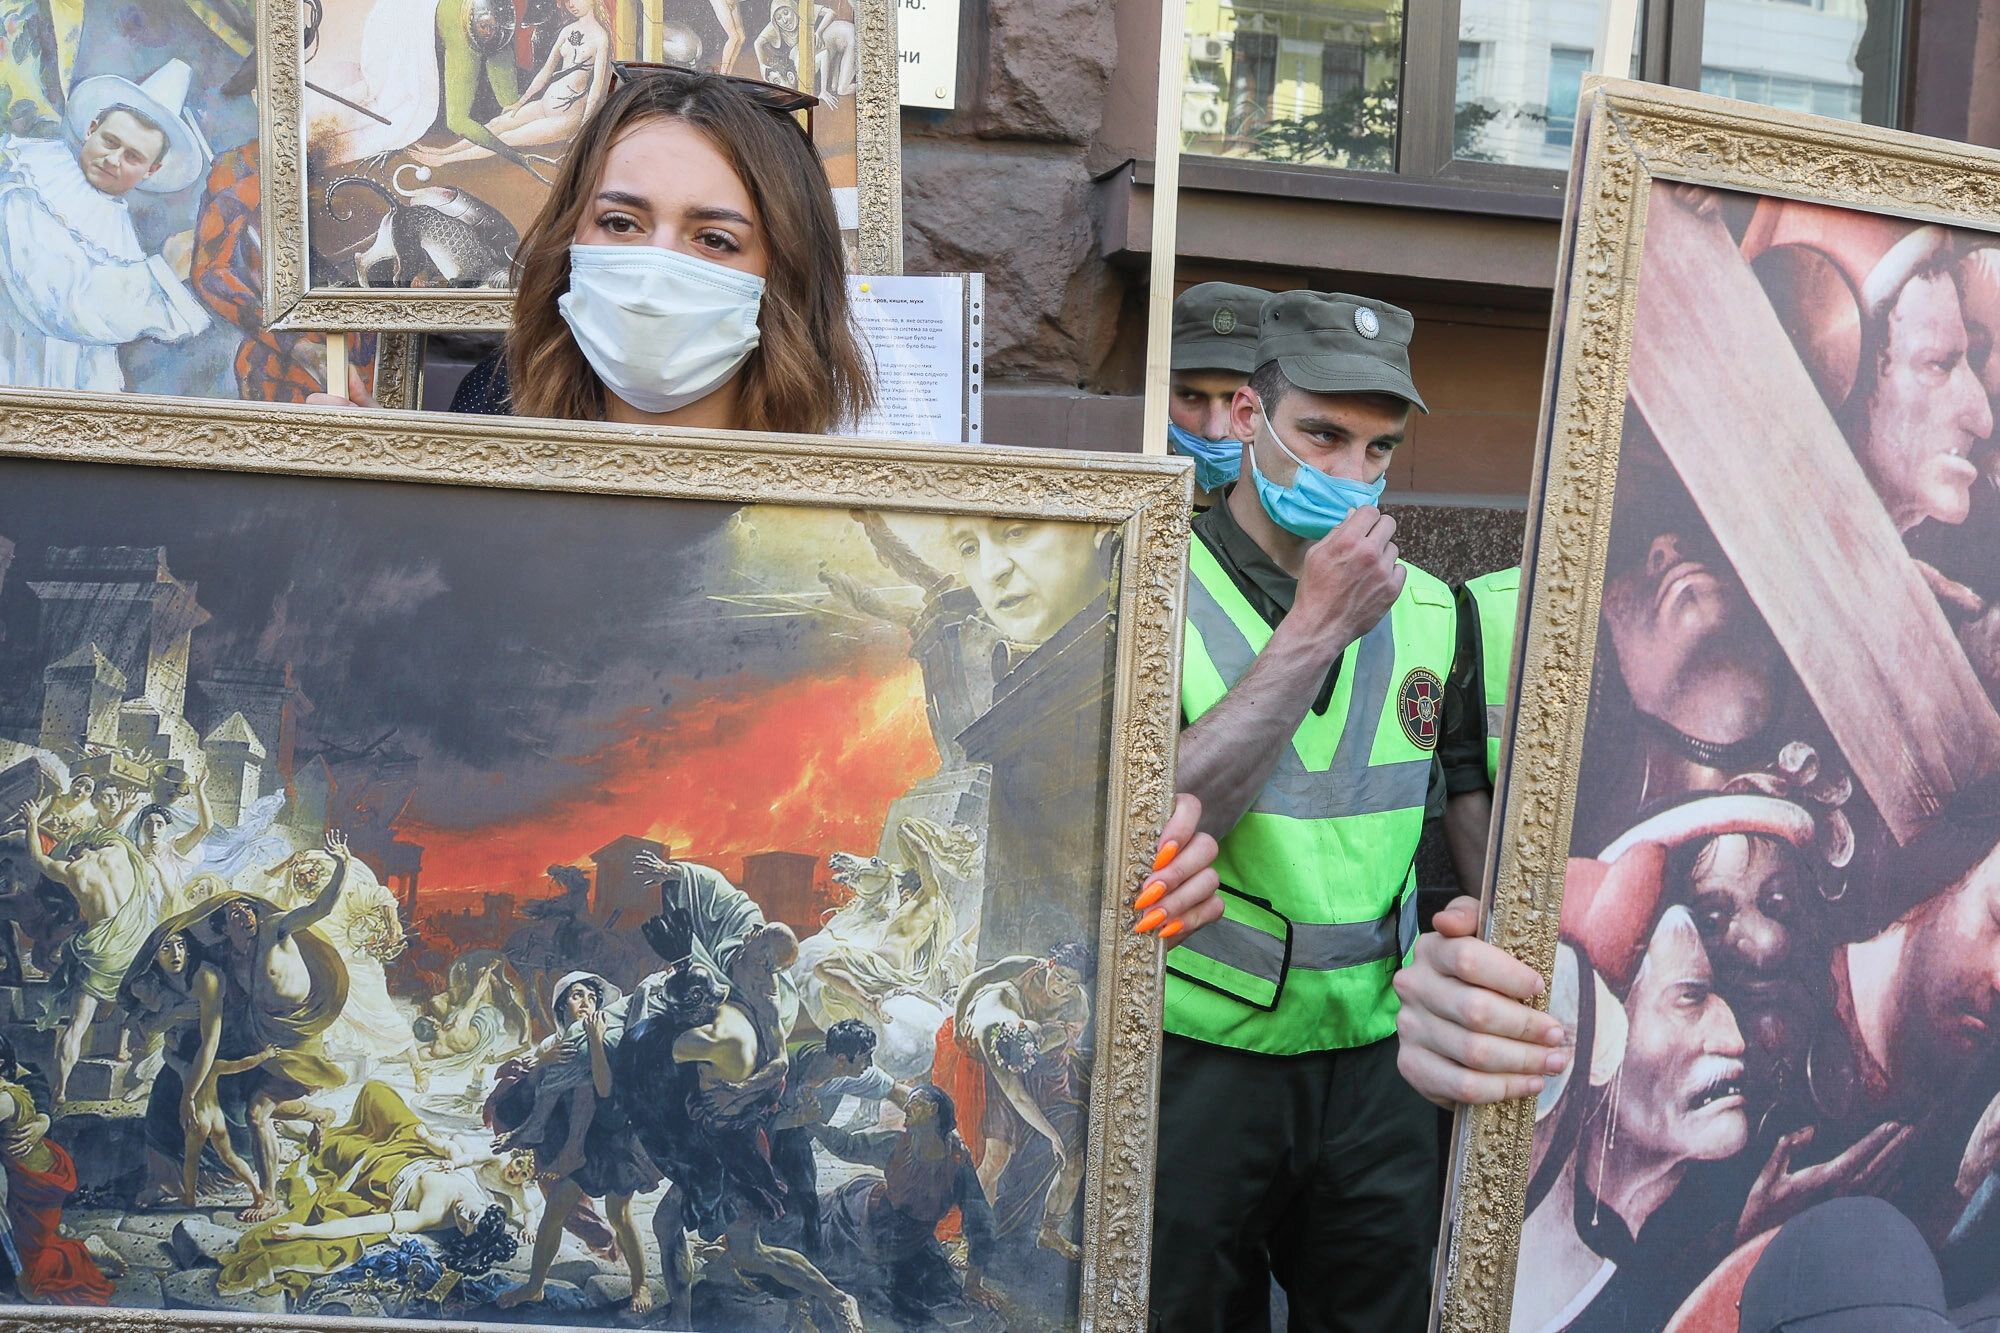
point(1150, 920)
point(1171, 929)
point(1151, 894)
point(1167, 853)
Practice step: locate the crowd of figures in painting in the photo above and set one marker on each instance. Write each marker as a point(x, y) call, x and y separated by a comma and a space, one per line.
point(242, 1068)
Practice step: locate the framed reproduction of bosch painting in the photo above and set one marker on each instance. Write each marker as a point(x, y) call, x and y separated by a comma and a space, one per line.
point(411, 144)
point(577, 876)
point(128, 210)
point(1750, 828)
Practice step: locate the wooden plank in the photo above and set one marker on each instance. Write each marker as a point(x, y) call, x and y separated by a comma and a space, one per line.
point(1166, 215)
point(336, 364)
point(1615, 39)
point(1716, 378)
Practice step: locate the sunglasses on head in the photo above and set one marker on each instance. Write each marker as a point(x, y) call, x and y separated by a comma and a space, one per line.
point(773, 97)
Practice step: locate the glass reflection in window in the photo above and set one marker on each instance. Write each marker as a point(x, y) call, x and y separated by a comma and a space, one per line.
point(1840, 58)
point(1294, 81)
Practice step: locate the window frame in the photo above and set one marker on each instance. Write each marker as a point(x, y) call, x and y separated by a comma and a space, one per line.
point(1670, 46)
point(1669, 53)
point(1670, 40)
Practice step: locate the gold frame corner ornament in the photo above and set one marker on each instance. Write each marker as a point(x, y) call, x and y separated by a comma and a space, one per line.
point(1629, 134)
point(1147, 499)
point(291, 301)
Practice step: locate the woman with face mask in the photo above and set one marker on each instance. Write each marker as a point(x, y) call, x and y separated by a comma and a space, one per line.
point(686, 271)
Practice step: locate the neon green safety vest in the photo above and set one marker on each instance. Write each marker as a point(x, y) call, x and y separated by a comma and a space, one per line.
point(1495, 596)
point(1319, 876)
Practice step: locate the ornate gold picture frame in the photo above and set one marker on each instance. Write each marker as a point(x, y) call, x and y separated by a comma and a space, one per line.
point(770, 652)
point(399, 227)
point(1749, 896)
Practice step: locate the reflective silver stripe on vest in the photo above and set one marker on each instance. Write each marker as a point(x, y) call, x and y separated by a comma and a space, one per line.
point(1314, 948)
point(1496, 721)
point(1350, 785)
point(1242, 947)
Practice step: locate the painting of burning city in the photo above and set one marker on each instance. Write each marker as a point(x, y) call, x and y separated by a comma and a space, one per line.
point(436, 902)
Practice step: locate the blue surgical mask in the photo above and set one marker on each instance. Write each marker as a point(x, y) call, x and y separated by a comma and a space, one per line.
point(1315, 503)
point(660, 328)
point(1216, 462)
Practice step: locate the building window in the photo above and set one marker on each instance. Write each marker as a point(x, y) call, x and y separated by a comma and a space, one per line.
point(1821, 98)
point(1830, 57)
point(1471, 72)
point(1567, 66)
point(1297, 81)
point(1322, 82)
point(1516, 83)
point(1253, 82)
point(1343, 67)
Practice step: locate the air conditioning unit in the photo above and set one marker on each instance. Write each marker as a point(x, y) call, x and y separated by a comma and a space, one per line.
point(1202, 112)
point(1208, 50)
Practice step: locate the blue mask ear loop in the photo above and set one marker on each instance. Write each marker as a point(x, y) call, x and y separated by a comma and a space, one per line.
point(1302, 464)
point(1264, 423)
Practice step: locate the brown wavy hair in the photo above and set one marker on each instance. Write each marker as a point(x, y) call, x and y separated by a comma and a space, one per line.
point(808, 373)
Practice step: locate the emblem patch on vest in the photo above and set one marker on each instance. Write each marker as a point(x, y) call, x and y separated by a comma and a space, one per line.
point(1420, 707)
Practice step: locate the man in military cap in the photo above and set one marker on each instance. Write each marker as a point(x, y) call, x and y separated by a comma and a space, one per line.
point(1312, 690)
point(1215, 349)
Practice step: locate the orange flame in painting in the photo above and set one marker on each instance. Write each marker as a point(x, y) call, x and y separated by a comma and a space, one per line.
point(803, 765)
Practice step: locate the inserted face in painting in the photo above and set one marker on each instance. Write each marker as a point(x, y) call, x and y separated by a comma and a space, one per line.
point(129, 172)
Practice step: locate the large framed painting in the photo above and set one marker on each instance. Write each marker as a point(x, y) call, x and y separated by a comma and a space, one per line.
point(130, 256)
point(1750, 824)
point(575, 875)
point(412, 144)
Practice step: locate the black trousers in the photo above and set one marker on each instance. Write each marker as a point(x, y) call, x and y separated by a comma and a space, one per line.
point(1320, 1170)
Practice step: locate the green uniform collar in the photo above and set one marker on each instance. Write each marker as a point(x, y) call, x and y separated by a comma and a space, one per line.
point(1262, 580)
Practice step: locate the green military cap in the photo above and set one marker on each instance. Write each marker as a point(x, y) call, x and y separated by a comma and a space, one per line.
point(1330, 342)
point(1215, 327)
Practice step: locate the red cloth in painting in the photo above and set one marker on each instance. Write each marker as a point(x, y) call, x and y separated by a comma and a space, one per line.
point(227, 273)
point(54, 1267)
point(963, 1076)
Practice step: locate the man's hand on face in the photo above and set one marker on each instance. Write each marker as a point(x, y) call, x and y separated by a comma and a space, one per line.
point(1350, 580)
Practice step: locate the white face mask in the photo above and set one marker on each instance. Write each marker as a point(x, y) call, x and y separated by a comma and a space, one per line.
point(660, 328)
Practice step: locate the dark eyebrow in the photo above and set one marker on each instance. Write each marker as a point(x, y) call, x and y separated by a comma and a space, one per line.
point(713, 214)
point(1323, 426)
point(1326, 426)
point(720, 215)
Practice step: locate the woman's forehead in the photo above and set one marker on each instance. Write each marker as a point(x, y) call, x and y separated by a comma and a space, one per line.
point(670, 165)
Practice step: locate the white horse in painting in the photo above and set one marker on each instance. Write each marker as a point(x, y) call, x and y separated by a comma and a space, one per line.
point(893, 956)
